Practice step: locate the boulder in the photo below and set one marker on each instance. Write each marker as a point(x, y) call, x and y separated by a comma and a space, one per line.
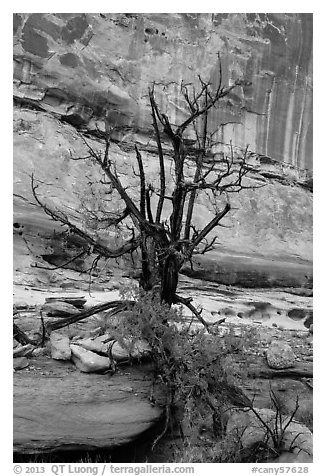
point(40, 351)
point(23, 350)
point(139, 349)
point(95, 345)
point(88, 361)
point(20, 363)
point(297, 437)
point(60, 349)
point(280, 355)
point(59, 309)
point(119, 353)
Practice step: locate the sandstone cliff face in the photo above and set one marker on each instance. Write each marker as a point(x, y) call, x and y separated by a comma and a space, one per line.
point(84, 66)
point(86, 70)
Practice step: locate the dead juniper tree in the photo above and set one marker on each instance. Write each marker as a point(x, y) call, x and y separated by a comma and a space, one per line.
point(165, 234)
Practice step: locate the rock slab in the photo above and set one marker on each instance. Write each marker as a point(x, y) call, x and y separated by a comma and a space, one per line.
point(58, 408)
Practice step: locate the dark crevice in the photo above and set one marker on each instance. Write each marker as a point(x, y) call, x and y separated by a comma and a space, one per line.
point(28, 104)
point(307, 185)
point(73, 119)
point(138, 451)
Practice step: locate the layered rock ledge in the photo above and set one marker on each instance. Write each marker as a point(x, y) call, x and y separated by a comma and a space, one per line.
point(58, 408)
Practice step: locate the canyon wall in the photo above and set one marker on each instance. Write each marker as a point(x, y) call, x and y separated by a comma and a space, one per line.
point(83, 71)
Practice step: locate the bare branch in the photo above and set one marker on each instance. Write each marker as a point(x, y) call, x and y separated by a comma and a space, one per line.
point(209, 227)
point(99, 248)
point(211, 103)
point(21, 337)
point(122, 305)
point(160, 155)
point(64, 264)
point(198, 172)
point(148, 205)
point(187, 302)
point(106, 152)
point(93, 267)
point(142, 186)
point(208, 246)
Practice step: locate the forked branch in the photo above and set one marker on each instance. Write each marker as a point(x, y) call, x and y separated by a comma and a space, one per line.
point(99, 248)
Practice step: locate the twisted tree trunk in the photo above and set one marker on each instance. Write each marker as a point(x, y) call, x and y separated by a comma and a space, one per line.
point(169, 279)
point(150, 275)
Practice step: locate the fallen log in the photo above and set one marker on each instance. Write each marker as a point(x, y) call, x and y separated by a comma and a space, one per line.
point(116, 306)
point(298, 372)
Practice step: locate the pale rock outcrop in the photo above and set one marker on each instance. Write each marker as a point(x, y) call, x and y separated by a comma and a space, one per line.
point(60, 349)
point(280, 355)
point(88, 361)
